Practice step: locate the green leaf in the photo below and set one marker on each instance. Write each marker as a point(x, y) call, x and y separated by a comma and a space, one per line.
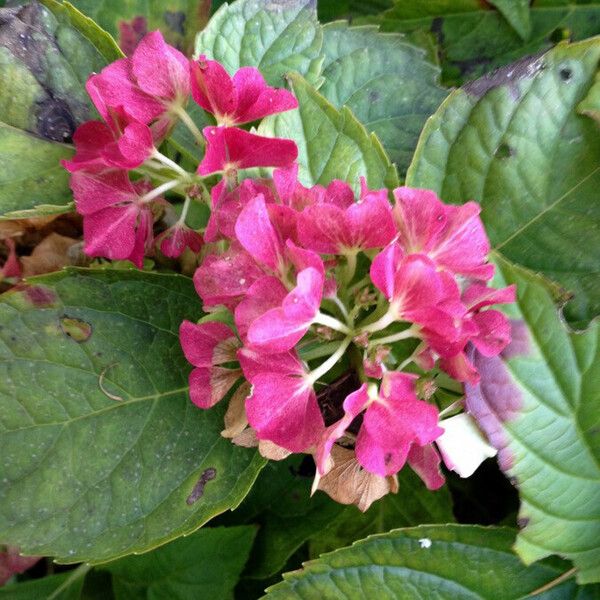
point(205, 565)
point(45, 58)
point(52, 586)
point(330, 10)
point(590, 105)
point(276, 37)
point(178, 20)
point(281, 505)
point(431, 561)
point(514, 142)
point(474, 41)
point(541, 408)
point(100, 444)
point(386, 82)
point(516, 12)
point(412, 505)
point(332, 143)
point(32, 180)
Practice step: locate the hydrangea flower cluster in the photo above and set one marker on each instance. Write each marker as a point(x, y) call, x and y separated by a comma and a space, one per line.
point(307, 290)
point(119, 177)
point(314, 280)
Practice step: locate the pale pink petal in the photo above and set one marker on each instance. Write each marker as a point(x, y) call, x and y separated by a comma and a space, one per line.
point(459, 367)
point(111, 232)
point(478, 295)
point(494, 332)
point(384, 267)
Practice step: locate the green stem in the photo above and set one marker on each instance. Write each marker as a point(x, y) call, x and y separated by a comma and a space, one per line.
point(330, 362)
point(396, 337)
point(165, 160)
point(331, 322)
point(189, 123)
point(159, 191)
point(387, 319)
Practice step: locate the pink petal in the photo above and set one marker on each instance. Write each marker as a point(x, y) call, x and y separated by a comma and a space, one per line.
point(116, 86)
point(257, 235)
point(339, 193)
point(225, 278)
point(254, 363)
point(212, 88)
point(11, 267)
point(384, 267)
point(201, 343)
point(460, 368)
point(478, 295)
point(256, 99)
point(283, 409)
point(176, 239)
point(420, 217)
point(494, 332)
point(353, 405)
point(264, 294)
point(370, 223)
point(279, 329)
point(230, 148)
point(210, 385)
point(136, 144)
point(291, 192)
point(89, 139)
point(322, 228)
point(425, 462)
point(95, 191)
point(160, 69)
point(143, 238)
point(111, 232)
point(417, 284)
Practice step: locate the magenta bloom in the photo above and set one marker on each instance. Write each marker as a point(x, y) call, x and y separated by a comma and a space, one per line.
point(233, 101)
point(207, 347)
point(452, 236)
point(117, 224)
point(150, 85)
point(11, 267)
point(339, 225)
point(283, 406)
point(12, 563)
point(232, 149)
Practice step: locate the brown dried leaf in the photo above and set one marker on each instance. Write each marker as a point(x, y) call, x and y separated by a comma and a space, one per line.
point(272, 451)
point(246, 439)
point(235, 417)
point(348, 483)
point(51, 254)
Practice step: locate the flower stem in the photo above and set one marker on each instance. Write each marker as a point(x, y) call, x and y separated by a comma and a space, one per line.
point(189, 123)
point(184, 211)
point(387, 319)
point(165, 160)
point(160, 190)
point(396, 337)
point(330, 362)
point(78, 573)
point(349, 267)
point(331, 322)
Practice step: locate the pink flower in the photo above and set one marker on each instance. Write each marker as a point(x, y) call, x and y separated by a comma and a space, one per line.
point(244, 98)
point(425, 462)
point(117, 223)
point(452, 236)
point(283, 406)
point(176, 239)
point(339, 225)
point(207, 347)
point(417, 292)
point(392, 423)
point(12, 563)
point(11, 267)
point(150, 85)
point(231, 149)
point(292, 193)
point(121, 142)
